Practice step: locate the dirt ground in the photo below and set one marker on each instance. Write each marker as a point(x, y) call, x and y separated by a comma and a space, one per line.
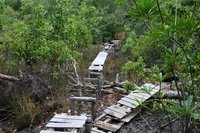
point(147, 122)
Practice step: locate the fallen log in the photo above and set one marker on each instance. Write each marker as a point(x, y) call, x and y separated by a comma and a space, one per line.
point(115, 84)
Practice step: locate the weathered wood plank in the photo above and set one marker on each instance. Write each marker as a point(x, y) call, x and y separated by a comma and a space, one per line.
point(143, 94)
point(95, 130)
point(61, 120)
point(126, 103)
point(124, 108)
point(149, 92)
point(48, 131)
point(64, 125)
point(100, 58)
point(119, 109)
point(91, 79)
point(114, 113)
point(134, 102)
point(85, 99)
point(100, 117)
point(108, 126)
point(64, 116)
point(135, 96)
point(96, 68)
point(131, 115)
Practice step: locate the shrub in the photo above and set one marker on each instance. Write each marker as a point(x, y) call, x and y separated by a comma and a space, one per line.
point(23, 111)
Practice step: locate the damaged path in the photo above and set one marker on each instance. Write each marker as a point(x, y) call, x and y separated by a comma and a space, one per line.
point(115, 116)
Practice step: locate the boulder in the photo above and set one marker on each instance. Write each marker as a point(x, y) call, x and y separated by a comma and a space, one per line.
point(32, 86)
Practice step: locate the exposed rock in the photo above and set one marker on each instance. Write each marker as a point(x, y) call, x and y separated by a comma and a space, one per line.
point(32, 87)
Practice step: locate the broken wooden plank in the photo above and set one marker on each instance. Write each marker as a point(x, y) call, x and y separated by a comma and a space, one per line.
point(64, 125)
point(126, 103)
point(124, 108)
point(109, 126)
point(95, 130)
point(100, 117)
point(114, 113)
point(108, 123)
point(131, 115)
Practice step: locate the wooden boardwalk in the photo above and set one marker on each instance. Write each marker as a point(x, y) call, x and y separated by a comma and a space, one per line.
point(113, 117)
point(97, 66)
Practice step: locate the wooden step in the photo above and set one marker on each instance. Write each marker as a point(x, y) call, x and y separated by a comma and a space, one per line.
point(63, 120)
point(64, 125)
point(72, 117)
point(48, 131)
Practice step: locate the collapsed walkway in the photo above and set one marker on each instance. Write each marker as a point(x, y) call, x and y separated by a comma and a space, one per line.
point(115, 116)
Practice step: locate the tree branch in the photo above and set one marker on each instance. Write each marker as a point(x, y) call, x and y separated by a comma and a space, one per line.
point(7, 77)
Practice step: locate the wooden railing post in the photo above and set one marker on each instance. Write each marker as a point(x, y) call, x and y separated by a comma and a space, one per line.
point(88, 125)
point(93, 110)
point(72, 107)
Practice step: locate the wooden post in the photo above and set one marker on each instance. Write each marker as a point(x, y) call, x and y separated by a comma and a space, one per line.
point(72, 107)
point(79, 107)
point(88, 125)
point(93, 110)
point(117, 78)
point(98, 91)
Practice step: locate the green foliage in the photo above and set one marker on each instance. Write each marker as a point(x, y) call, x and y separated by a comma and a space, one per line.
point(15, 4)
point(187, 110)
point(138, 71)
point(130, 46)
point(114, 18)
point(169, 38)
point(143, 9)
point(188, 107)
point(129, 86)
point(135, 70)
point(56, 32)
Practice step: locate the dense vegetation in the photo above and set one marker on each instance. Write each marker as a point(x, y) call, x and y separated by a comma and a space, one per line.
point(48, 38)
point(166, 34)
